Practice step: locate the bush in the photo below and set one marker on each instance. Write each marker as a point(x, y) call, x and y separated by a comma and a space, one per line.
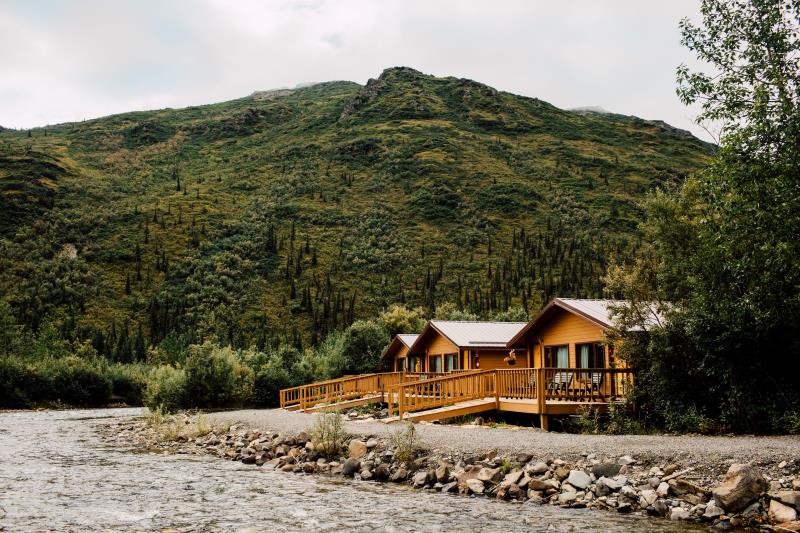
point(128, 382)
point(270, 377)
point(363, 345)
point(13, 383)
point(215, 377)
point(328, 434)
point(75, 381)
point(405, 442)
point(166, 389)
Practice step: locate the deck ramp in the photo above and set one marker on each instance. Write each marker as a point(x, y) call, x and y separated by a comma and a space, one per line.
point(480, 405)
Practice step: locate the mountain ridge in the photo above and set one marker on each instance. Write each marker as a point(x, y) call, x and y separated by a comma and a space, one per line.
point(260, 219)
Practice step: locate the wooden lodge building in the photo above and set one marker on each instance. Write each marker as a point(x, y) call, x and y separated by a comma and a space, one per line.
point(556, 364)
point(445, 346)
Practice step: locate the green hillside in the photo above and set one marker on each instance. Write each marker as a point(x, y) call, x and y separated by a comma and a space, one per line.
point(287, 214)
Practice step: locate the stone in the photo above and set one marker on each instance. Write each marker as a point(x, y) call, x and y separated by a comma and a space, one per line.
point(475, 486)
point(490, 475)
point(523, 483)
point(679, 513)
point(561, 473)
point(742, 484)
point(567, 497)
point(626, 460)
point(399, 475)
point(513, 477)
point(443, 473)
point(663, 489)
point(787, 497)
point(624, 507)
point(660, 508)
point(382, 473)
point(450, 487)
point(420, 479)
point(371, 443)
point(579, 479)
point(566, 487)
point(629, 492)
point(611, 484)
point(357, 448)
point(796, 483)
point(779, 512)
point(647, 498)
point(537, 468)
point(713, 511)
point(523, 458)
point(670, 469)
point(515, 492)
point(782, 465)
point(605, 470)
point(543, 485)
point(478, 421)
point(309, 468)
point(351, 466)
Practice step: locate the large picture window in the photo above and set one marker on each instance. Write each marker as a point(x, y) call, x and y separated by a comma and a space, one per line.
point(436, 363)
point(556, 356)
point(591, 355)
point(451, 362)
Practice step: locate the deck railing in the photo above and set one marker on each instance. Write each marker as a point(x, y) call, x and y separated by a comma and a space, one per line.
point(542, 385)
point(347, 388)
point(417, 391)
point(441, 391)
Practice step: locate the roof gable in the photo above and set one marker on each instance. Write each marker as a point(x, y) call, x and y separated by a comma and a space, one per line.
point(399, 340)
point(474, 334)
point(598, 312)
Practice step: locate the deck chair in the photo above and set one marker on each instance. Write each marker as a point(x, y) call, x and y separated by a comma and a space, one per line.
point(560, 383)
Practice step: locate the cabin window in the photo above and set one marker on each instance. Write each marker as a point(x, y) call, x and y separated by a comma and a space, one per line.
point(556, 356)
point(451, 362)
point(403, 364)
point(436, 363)
point(414, 364)
point(590, 355)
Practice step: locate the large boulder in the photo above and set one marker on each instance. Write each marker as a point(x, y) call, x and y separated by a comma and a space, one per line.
point(742, 485)
point(351, 466)
point(579, 479)
point(605, 470)
point(779, 512)
point(475, 486)
point(357, 448)
point(537, 468)
point(787, 497)
point(490, 475)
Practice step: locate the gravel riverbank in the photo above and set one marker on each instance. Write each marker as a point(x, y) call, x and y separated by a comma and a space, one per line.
point(710, 455)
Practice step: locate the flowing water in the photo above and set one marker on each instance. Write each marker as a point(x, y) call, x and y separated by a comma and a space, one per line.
point(57, 474)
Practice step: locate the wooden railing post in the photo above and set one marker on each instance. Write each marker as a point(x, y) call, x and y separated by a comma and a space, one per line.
point(541, 390)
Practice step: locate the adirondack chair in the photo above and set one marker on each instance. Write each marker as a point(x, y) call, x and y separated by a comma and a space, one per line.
point(560, 383)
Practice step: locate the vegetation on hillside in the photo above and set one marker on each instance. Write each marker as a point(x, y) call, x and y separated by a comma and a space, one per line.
point(283, 224)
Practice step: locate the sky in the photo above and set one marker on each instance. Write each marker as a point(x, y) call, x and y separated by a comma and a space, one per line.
point(68, 61)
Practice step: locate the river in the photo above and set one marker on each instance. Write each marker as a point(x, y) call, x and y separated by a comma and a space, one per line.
point(57, 474)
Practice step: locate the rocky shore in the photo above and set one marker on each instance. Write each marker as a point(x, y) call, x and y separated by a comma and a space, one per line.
point(746, 497)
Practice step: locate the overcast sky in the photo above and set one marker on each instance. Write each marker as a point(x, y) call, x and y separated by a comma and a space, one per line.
point(66, 61)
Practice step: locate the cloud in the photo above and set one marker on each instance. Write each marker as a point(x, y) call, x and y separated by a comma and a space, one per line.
point(94, 58)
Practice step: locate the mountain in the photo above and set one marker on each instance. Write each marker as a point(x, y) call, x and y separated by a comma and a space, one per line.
point(292, 212)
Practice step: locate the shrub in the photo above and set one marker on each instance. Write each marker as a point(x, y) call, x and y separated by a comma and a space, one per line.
point(405, 442)
point(13, 392)
point(76, 381)
point(128, 382)
point(363, 345)
point(215, 377)
point(270, 377)
point(328, 434)
point(166, 389)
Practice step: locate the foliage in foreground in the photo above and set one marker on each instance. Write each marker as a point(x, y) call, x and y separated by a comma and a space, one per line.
point(721, 259)
point(328, 434)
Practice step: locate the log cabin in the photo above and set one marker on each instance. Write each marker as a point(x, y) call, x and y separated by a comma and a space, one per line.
point(568, 333)
point(396, 354)
point(447, 345)
point(557, 364)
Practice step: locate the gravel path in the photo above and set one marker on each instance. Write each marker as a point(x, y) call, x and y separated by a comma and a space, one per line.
point(714, 452)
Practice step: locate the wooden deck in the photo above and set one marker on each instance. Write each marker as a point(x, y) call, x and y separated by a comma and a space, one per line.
point(540, 391)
